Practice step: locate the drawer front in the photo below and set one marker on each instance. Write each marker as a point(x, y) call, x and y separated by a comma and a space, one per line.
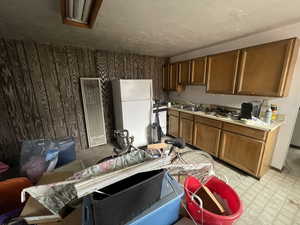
point(173, 112)
point(246, 131)
point(187, 116)
point(207, 121)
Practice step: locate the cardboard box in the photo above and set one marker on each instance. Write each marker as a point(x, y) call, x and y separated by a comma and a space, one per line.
point(35, 213)
point(74, 218)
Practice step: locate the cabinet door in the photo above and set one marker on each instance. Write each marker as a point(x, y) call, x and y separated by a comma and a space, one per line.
point(173, 125)
point(242, 152)
point(184, 72)
point(264, 68)
point(173, 76)
point(222, 72)
point(166, 77)
point(198, 71)
point(207, 138)
point(186, 130)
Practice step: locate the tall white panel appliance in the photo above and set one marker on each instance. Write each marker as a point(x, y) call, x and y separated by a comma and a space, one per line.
point(296, 135)
point(133, 108)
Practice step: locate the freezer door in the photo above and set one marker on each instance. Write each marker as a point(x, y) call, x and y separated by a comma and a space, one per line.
point(135, 90)
point(136, 119)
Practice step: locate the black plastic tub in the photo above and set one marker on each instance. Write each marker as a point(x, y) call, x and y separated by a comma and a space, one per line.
point(125, 199)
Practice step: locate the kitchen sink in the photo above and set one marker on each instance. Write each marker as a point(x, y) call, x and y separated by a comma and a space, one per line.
point(193, 109)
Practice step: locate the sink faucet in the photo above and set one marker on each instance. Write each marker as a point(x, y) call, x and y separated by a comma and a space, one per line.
point(193, 107)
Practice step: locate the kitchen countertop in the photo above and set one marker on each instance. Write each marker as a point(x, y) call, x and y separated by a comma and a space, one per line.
point(249, 123)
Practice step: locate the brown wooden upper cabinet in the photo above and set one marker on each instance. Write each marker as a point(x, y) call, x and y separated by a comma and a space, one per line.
point(166, 77)
point(184, 72)
point(173, 80)
point(171, 77)
point(198, 71)
point(262, 70)
point(266, 70)
point(222, 72)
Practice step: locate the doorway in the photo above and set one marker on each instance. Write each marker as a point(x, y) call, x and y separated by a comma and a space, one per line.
point(293, 156)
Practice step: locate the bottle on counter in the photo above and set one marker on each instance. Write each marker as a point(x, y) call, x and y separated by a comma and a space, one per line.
point(268, 116)
point(263, 108)
point(274, 109)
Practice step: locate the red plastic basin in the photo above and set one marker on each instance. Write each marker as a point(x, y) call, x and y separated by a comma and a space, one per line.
point(192, 184)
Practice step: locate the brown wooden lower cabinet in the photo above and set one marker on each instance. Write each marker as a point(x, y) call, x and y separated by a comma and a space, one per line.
point(186, 130)
point(241, 151)
point(246, 148)
point(173, 125)
point(207, 138)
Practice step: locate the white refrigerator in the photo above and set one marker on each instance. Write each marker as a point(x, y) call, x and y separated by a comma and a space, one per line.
point(296, 134)
point(133, 108)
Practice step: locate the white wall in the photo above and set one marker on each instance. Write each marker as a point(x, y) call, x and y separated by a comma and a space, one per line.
point(288, 105)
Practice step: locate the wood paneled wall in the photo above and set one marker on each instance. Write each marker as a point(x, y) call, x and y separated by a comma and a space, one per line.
point(40, 93)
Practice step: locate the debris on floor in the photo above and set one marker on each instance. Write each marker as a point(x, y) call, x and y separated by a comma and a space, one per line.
point(138, 176)
point(34, 212)
point(56, 196)
point(185, 221)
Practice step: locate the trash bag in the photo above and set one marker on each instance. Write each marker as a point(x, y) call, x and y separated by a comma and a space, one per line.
point(3, 167)
point(67, 151)
point(44, 155)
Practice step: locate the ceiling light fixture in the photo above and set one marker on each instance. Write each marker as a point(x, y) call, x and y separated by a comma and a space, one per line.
point(80, 13)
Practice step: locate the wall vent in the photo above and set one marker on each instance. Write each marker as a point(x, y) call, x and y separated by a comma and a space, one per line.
point(93, 111)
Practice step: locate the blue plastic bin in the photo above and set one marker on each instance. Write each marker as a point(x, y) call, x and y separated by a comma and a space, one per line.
point(163, 212)
point(166, 210)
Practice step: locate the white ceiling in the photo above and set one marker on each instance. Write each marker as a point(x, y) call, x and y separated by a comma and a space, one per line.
point(150, 27)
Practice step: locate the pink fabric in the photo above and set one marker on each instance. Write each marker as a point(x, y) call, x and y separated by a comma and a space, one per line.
point(3, 167)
